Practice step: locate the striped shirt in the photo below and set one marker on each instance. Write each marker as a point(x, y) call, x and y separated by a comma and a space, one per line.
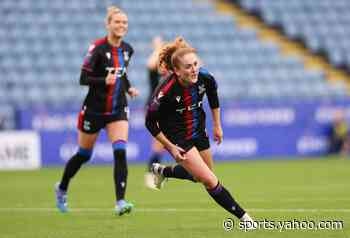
point(101, 57)
point(177, 111)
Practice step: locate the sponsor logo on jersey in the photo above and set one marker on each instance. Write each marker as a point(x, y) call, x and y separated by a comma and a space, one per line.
point(120, 71)
point(108, 55)
point(178, 98)
point(190, 108)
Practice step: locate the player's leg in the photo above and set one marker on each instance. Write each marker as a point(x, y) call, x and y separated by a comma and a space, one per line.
point(198, 168)
point(157, 153)
point(118, 134)
point(86, 143)
point(172, 171)
point(207, 158)
point(178, 171)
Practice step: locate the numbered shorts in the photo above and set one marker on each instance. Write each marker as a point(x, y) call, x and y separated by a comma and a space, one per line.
point(91, 123)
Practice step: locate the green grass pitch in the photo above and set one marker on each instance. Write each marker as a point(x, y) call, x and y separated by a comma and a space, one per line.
point(275, 190)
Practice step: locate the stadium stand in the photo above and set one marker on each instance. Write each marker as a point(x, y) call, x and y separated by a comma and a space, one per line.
point(247, 67)
point(42, 45)
point(321, 25)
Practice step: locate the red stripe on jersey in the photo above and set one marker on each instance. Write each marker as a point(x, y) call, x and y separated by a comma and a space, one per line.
point(80, 119)
point(111, 87)
point(168, 86)
point(188, 117)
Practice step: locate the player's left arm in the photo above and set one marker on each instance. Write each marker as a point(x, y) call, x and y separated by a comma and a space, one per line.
point(132, 91)
point(217, 128)
point(213, 99)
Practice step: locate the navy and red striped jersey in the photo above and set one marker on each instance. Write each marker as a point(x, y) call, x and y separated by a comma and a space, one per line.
point(101, 57)
point(177, 111)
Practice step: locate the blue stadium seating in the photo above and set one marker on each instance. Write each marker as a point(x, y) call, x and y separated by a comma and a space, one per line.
point(323, 24)
point(43, 45)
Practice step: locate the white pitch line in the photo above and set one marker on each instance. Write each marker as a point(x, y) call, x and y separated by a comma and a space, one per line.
point(169, 210)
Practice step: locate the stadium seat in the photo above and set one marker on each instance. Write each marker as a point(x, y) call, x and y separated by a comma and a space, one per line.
point(323, 25)
point(59, 33)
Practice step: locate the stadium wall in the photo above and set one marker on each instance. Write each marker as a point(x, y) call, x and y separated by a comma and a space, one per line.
point(20, 150)
point(252, 130)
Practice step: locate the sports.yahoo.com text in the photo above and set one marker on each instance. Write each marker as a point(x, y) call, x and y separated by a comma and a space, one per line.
point(286, 225)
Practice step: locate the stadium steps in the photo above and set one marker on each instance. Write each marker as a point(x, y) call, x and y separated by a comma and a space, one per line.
point(287, 46)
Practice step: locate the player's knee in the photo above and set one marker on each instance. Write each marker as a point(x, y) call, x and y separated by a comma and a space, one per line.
point(119, 151)
point(209, 181)
point(119, 148)
point(210, 166)
point(83, 155)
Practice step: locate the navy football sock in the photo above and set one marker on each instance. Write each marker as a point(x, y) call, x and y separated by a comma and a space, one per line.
point(120, 174)
point(73, 166)
point(178, 172)
point(225, 200)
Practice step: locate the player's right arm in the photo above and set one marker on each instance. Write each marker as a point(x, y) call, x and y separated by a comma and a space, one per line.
point(152, 117)
point(175, 151)
point(89, 75)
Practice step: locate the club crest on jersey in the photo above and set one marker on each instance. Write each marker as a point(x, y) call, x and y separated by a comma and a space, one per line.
point(201, 89)
point(108, 55)
point(178, 98)
point(87, 125)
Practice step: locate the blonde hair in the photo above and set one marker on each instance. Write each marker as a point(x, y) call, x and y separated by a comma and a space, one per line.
point(111, 11)
point(170, 54)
